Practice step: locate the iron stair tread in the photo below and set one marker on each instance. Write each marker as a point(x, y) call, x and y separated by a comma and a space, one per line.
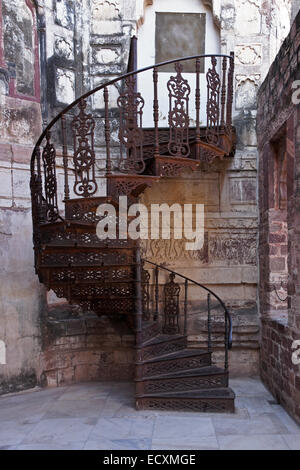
point(67, 223)
point(146, 324)
point(87, 283)
point(86, 248)
point(199, 371)
point(160, 339)
point(75, 244)
point(78, 223)
point(94, 199)
point(221, 393)
point(88, 266)
point(181, 353)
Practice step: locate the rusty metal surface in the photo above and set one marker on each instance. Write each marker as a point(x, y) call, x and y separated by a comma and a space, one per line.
point(131, 135)
point(83, 126)
point(179, 120)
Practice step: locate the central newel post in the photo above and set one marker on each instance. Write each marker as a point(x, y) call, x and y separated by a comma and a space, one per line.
point(138, 295)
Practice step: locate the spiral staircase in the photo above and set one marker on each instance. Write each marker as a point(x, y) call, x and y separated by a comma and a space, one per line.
point(78, 164)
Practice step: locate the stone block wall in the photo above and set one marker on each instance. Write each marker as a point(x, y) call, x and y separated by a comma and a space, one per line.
point(84, 348)
point(51, 51)
point(279, 141)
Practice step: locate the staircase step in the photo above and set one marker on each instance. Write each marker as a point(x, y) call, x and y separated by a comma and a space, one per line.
point(160, 345)
point(92, 275)
point(150, 329)
point(206, 400)
point(174, 362)
point(68, 256)
point(84, 240)
point(182, 353)
point(193, 379)
point(203, 371)
point(161, 338)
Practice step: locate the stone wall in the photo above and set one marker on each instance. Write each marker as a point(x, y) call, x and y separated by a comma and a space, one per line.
point(84, 348)
point(50, 53)
point(279, 142)
point(87, 45)
point(20, 126)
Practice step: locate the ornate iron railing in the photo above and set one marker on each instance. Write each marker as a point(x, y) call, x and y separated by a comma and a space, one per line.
point(168, 304)
point(101, 134)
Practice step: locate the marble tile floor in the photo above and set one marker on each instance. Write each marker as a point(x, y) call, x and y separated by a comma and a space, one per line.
point(102, 416)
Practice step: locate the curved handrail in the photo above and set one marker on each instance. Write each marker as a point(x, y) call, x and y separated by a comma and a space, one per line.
point(229, 343)
point(111, 82)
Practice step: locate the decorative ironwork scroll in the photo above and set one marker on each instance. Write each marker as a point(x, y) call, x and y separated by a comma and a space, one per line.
point(38, 203)
point(171, 306)
point(49, 155)
point(146, 294)
point(131, 104)
point(213, 103)
point(179, 91)
point(230, 94)
point(83, 126)
point(206, 155)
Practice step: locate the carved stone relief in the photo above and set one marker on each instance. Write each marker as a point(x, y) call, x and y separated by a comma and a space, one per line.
point(166, 251)
point(63, 48)
point(104, 17)
point(65, 86)
point(248, 54)
point(246, 91)
point(233, 249)
point(230, 249)
point(248, 17)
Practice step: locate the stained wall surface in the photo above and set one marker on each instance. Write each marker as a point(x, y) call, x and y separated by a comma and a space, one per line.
point(279, 200)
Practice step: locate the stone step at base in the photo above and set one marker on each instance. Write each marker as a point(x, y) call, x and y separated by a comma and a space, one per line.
point(195, 379)
point(210, 401)
point(177, 361)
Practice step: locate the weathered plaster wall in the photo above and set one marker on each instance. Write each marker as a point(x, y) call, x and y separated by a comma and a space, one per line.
point(75, 46)
point(87, 44)
point(20, 125)
point(278, 133)
point(84, 347)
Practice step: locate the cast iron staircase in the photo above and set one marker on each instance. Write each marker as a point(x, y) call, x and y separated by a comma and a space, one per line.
point(170, 374)
point(78, 165)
